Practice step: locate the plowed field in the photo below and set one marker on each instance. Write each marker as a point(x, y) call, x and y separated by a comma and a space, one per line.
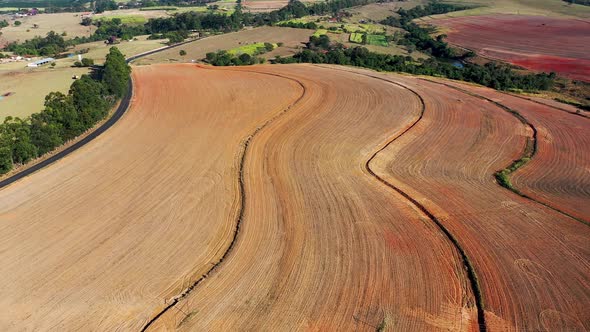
point(301, 197)
point(534, 42)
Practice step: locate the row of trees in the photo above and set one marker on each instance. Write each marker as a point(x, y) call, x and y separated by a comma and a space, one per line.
point(65, 116)
point(51, 44)
point(497, 76)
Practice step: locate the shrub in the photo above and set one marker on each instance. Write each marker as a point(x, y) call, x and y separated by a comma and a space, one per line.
point(182, 52)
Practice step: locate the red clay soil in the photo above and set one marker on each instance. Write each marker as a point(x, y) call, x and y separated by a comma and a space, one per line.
point(324, 245)
point(533, 42)
point(559, 172)
point(532, 263)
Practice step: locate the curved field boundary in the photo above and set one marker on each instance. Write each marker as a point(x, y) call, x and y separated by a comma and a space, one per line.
point(503, 176)
point(245, 146)
point(117, 115)
point(471, 275)
point(551, 106)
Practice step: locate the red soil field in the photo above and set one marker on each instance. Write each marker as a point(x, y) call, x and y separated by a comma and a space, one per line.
point(559, 173)
point(534, 42)
point(302, 197)
point(324, 246)
point(532, 263)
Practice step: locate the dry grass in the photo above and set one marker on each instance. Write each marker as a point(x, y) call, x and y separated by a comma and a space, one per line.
point(292, 39)
point(30, 86)
point(62, 22)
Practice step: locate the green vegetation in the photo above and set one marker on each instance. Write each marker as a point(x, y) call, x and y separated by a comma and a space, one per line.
point(579, 2)
point(159, 8)
point(124, 19)
point(64, 116)
point(320, 32)
point(573, 103)
point(503, 176)
point(223, 58)
point(86, 62)
point(356, 37)
point(252, 49)
point(378, 40)
point(498, 76)
point(50, 45)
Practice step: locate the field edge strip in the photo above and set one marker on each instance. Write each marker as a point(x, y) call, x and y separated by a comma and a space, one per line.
point(245, 146)
point(503, 176)
point(471, 274)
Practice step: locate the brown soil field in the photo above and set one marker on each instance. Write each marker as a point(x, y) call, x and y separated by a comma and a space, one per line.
point(292, 39)
point(533, 42)
point(135, 217)
point(323, 244)
point(101, 238)
point(559, 172)
point(303, 197)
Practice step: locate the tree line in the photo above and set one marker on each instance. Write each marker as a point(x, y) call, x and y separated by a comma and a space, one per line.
point(494, 75)
point(65, 116)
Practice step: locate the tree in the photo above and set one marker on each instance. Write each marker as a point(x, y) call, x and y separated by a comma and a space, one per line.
point(182, 52)
point(87, 62)
point(16, 135)
point(86, 21)
point(116, 73)
point(5, 160)
point(17, 23)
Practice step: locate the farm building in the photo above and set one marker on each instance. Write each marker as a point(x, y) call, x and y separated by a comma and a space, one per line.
point(41, 62)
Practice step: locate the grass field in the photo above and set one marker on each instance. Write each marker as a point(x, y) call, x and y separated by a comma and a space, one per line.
point(62, 22)
point(249, 49)
point(30, 86)
point(378, 40)
point(320, 32)
point(291, 38)
point(125, 19)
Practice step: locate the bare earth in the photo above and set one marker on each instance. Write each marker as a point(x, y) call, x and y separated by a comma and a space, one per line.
point(300, 197)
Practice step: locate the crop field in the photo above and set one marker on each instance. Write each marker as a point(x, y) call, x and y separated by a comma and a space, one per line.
point(306, 197)
point(356, 37)
point(249, 49)
point(125, 19)
point(378, 40)
point(292, 39)
point(533, 42)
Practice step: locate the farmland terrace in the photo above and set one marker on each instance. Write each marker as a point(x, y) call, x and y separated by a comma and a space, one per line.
point(305, 197)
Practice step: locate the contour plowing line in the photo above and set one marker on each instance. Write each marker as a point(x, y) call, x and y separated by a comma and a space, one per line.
point(471, 275)
point(525, 154)
point(245, 146)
